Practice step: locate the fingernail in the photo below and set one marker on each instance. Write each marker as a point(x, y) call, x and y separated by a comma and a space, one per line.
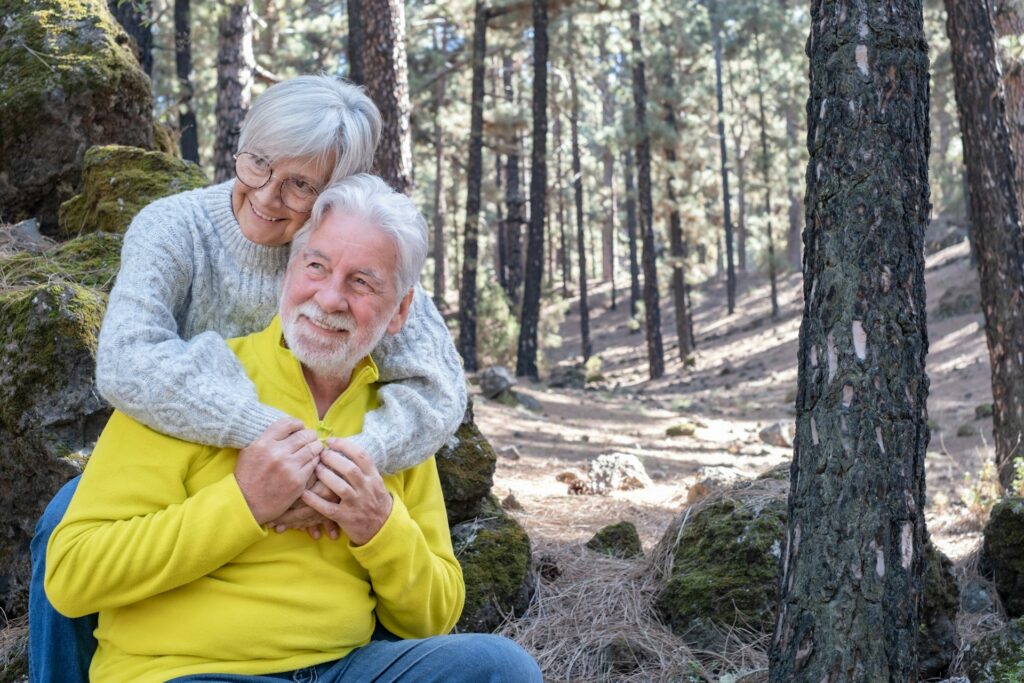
point(279, 528)
point(334, 535)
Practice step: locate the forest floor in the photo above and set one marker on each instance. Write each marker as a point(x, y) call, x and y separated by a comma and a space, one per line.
point(744, 379)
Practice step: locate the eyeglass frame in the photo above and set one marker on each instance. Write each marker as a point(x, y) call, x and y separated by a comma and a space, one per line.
point(270, 176)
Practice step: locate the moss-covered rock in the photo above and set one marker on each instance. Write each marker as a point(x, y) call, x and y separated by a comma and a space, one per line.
point(466, 467)
point(682, 429)
point(494, 552)
point(68, 81)
point(617, 540)
point(90, 260)
point(49, 409)
point(118, 181)
point(938, 641)
point(999, 657)
point(725, 568)
point(14, 652)
point(1003, 553)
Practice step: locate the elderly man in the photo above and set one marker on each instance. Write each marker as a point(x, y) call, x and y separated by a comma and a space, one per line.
point(172, 548)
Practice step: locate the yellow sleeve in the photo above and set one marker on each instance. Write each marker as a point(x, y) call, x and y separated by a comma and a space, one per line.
point(415, 576)
point(132, 529)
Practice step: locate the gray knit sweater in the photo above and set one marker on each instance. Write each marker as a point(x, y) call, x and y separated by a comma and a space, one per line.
point(188, 279)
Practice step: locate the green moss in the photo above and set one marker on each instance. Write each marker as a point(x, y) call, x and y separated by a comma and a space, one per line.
point(118, 182)
point(726, 569)
point(681, 429)
point(1003, 552)
point(494, 552)
point(617, 540)
point(966, 430)
point(999, 657)
point(14, 654)
point(982, 411)
point(90, 260)
point(465, 466)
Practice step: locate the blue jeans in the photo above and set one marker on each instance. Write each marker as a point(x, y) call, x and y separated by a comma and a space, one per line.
point(59, 649)
point(463, 658)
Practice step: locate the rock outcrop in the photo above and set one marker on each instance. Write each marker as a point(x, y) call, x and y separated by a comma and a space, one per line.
point(1002, 556)
point(68, 81)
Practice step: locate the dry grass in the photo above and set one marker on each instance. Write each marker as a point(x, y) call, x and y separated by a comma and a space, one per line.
point(13, 649)
point(973, 627)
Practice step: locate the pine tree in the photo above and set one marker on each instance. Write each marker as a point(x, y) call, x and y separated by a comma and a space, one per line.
point(136, 19)
point(577, 186)
point(765, 173)
point(235, 64)
point(853, 564)
point(631, 233)
point(730, 267)
point(183, 63)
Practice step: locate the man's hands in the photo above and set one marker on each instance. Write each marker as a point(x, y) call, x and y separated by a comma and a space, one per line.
point(362, 503)
point(274, 470)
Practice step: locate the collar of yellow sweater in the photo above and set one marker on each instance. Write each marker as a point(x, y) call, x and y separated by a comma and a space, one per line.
point(280, 382)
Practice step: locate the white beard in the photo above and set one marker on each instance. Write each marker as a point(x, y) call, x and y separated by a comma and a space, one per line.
point(321, 353)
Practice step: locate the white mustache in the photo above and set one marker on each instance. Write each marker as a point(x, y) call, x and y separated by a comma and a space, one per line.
point(342, 322)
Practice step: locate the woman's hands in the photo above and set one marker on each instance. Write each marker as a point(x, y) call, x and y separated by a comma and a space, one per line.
point(275, 469)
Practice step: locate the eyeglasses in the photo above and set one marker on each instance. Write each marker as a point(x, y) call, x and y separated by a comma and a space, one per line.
point(255, 172)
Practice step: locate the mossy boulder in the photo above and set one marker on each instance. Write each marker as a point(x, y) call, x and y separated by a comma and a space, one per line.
point(494, 552)
point(118, 181)
point(998, 657)
point(90, 260)
point(68, 81)
point(938, 640)
point(49, 410)
point(617, 540)
point(466, 467)
point(725, 567)
point(1003, 553)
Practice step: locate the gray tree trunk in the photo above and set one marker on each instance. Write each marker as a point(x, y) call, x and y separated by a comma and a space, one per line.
point(1009, 25)
point(183, 67)
point(439, 168)
point(513, 228)
point(853, 564)
point(235, 65)
point(730, 267)
point(577, 186)
point(765, 173)
point(631, 230)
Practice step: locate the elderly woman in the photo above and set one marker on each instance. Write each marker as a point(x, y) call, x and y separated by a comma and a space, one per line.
point(205, 265)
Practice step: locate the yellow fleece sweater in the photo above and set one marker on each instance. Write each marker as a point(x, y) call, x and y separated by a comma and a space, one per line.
point(159, 540)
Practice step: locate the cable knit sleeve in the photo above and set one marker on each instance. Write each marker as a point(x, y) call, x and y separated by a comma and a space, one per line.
point(423, 391)
point(194, 390)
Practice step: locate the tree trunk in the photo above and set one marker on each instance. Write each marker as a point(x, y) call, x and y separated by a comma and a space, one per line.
point(652, 307)
point(467, 294)
point(607, 165)
point(793, 251)
point(853, 564)
point(994, 215)
point(439, 168)
point(183, 66)
point(631, 230)
point(526, 356)
point(563, 242)
point(386, 71)
point(514, 204)
point(765, 173)
point(356, 45)
point(136, 19)
point(1009, 24)
point(730, 286)
point(577, 186)
point(741, 201)
point(235, 64)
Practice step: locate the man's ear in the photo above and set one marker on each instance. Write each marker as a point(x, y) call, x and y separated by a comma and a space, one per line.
point(400, 316)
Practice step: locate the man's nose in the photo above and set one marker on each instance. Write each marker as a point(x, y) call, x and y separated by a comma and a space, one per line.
point(331, 298)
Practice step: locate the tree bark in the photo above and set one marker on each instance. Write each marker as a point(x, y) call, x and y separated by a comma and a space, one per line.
point(439, 168)
point(793, 250)
point(235, 64)
point(183, 65)
point(765, 173)
point(513, 228)
point(474, 172)
point(136, 19)
point(386, 74)
point(562, 253)
point(730, 268)
point(741, 200)
point(652, 306)
point(607, 165)
point(1009, 24)
point(577, 186)
point(526, 356)
point(853, 564)
point(995, 217)
point(355, 46)
point(631, 234)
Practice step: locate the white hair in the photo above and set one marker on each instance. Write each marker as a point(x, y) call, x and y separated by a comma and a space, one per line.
point(389, 211)
point(314, 117)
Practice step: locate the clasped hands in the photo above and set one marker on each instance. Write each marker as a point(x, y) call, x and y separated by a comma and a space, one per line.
point(291, 481)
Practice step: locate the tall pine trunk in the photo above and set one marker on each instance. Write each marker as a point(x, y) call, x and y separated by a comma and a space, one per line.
point(853, 564)
point(1009, 25)
point(765, 173)
point(741, 200)
point(386, 74)
point(730, 268)
point(183, 67)
point(137, 21)
point(793, 245)
point(577, 186)
point(467, 293)
point(995, 217)
point(439, 168)
point(526, 355)
point(562, 253)
point(631, 233)
point(652, 306)
point(355, 45)
point(514, 202)
point(607, 95)
point(235, 64)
